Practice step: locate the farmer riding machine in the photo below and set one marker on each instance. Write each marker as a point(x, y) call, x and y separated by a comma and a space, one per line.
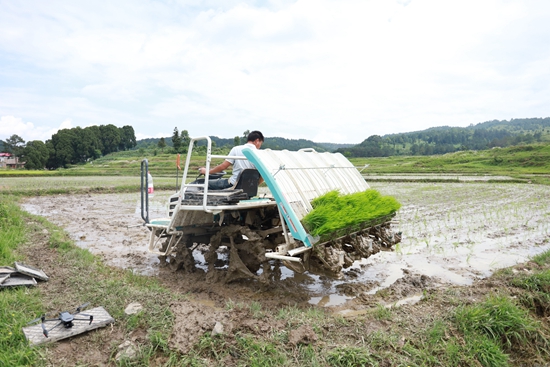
point(316, 214)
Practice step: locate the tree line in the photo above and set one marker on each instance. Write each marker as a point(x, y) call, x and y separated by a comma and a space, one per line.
point(275, 143)
point(71, 146)
point(78, 145)
point(445, 139)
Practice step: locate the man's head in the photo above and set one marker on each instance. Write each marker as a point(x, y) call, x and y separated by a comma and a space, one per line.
point(256, 138)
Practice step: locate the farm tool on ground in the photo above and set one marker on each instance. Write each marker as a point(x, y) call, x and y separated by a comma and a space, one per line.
point(252, 228)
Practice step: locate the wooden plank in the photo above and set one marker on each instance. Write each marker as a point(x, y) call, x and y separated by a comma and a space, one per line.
point(35, 335)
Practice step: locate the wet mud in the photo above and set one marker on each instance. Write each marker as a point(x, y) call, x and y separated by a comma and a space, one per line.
point(452, 233)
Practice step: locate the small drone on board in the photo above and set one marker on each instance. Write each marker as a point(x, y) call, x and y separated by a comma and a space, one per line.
point(65, 318)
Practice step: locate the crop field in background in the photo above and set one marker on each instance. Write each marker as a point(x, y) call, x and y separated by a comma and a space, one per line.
point(526, 162)
point(73, 184)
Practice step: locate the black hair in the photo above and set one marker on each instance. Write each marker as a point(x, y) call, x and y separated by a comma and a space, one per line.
point(255, 135)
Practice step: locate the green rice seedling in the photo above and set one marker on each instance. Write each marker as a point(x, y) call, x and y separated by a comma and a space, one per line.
point(398, 248)
point(334, 212)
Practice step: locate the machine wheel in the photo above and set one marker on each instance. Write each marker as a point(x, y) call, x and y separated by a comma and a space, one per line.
point(246, 253)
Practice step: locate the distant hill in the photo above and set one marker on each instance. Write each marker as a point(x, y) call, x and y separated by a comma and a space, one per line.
point(435, 140)
point(276, 143)
point(447, 139)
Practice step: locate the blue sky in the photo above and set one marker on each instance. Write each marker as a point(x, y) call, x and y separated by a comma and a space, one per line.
point(328, 71)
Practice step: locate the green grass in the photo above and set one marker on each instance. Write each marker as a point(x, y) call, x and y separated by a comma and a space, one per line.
point(543, 258)
point(17, 305)
point(500, 319)
point(350, 357)
point(88, 280)
point(537, 297)
point(260, 353)
point(539, 282)
point(12, 230)
point(334, 212)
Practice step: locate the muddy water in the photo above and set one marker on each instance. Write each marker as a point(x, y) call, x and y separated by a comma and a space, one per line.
point(453, 233)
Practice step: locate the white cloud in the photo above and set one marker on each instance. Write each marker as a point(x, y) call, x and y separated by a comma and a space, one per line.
point(341, 70)
point(11, 125)
point(14, 126)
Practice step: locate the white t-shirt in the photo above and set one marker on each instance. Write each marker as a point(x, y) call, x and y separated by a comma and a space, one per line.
point(239, 164)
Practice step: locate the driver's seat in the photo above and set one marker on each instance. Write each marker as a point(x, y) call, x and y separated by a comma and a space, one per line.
point(248, 181)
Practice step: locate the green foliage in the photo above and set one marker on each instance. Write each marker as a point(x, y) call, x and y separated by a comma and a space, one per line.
point(127, 138)
point(14, 144)
point(333, 212)
point(78, 145)
point(36, 155)
point(110, 138)
point(176, 140)
point(162, 144)
point(185, 139)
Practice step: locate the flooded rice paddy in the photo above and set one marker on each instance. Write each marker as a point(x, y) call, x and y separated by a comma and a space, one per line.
point(453, 233)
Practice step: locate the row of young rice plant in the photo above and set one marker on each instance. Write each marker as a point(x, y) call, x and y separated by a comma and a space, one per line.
point(459, 231)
